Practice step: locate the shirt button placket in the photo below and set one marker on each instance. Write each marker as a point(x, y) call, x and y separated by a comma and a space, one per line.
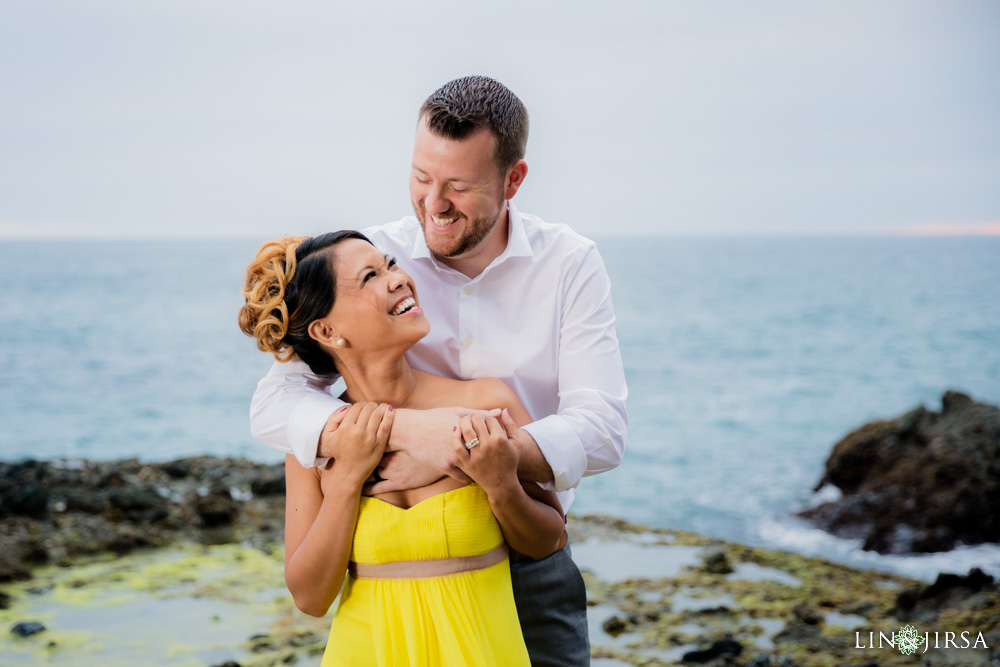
point(468, 322)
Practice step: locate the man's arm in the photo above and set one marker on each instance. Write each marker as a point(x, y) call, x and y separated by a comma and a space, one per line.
point(422, 439)
point(290, 410)
point(587, 434)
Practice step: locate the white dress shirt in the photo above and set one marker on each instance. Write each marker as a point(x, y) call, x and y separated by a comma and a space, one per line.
point(539, 317)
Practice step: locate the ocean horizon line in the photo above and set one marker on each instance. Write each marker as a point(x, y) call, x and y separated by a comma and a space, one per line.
point(917, 233)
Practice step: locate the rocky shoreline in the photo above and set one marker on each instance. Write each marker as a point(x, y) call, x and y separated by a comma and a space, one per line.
point(54, 512)
point(74, 534)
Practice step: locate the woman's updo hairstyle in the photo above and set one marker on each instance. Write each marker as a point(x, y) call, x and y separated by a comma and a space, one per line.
point(290, 284)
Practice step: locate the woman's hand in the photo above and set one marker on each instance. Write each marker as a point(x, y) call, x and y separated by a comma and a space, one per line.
point(362, 436)
point(492, 463)
point(531, 519)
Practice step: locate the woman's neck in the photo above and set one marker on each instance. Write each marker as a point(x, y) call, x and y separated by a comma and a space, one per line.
point(389, 381)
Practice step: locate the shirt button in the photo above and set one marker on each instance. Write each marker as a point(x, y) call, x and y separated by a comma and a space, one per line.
point(468, 289)
point(468, 341)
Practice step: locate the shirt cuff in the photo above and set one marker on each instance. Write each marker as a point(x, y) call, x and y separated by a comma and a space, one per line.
point(306, 425)
point(562, 449)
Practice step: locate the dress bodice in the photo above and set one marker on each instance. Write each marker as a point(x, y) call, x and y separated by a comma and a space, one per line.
point(454, 523)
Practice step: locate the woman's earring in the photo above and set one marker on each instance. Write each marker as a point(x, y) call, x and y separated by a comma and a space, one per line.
point(340, 342)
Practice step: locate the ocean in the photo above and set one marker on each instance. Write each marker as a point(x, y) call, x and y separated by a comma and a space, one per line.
point(747, 360)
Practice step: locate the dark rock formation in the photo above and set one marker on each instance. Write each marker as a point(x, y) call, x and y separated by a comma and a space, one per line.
point(53, 511)
point(808, 614)
point(949, 591)
point(715, 560)
point(27, 629)
point(615, 626)
point(716, 650)
point(926, 481)
point(217, 509)
point(269, 484)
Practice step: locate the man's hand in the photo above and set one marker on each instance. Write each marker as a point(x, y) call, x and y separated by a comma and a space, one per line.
point(426, 436)
point(399, 472)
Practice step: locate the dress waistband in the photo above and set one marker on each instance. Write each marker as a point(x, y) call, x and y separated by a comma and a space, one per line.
point(418, 569)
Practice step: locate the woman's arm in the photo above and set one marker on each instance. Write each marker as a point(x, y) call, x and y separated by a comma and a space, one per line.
point(321, 513)
point(319, 529)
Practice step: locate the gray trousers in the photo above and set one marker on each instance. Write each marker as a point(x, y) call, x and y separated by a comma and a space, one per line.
point(552, 606)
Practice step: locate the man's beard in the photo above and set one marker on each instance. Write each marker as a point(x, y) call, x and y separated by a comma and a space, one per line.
point(475, 231)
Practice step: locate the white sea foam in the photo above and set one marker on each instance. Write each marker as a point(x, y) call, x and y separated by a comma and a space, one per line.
point(796, 535)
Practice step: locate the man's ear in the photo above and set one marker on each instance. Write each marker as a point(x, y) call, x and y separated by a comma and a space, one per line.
point(515, 177)
point(322, 332)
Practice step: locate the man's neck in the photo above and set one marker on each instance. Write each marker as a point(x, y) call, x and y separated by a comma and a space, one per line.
point(474, 262)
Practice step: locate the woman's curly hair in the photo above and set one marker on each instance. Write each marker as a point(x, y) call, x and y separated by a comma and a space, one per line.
point(291, 283)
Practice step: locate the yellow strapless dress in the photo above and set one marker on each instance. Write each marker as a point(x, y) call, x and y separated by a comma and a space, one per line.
point(460, 619)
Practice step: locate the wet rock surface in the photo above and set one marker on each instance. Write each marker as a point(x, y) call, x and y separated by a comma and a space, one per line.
point(923, 482)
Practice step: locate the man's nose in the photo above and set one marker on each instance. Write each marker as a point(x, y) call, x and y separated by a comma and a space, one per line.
point(435, 201)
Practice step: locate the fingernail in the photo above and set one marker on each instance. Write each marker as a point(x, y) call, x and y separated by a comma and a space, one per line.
point(454, 428)
point(390, 408)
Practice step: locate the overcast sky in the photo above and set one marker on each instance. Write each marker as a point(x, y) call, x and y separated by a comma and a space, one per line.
point(248, 118)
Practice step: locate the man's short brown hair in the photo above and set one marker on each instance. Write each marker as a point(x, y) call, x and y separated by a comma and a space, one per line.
point(460, 107)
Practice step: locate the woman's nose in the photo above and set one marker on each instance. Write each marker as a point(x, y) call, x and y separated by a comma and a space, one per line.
point(396, 280)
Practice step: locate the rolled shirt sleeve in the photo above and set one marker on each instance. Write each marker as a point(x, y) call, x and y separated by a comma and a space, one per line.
point(289, 409)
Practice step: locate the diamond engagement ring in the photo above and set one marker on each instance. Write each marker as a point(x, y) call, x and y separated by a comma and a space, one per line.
point(472, 443)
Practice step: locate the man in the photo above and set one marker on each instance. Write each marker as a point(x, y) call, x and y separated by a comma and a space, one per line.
point(508, 296)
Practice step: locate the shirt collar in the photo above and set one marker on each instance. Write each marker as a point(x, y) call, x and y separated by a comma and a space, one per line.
point(517, 240)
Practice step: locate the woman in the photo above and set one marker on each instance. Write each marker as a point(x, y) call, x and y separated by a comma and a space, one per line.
point(429, 579)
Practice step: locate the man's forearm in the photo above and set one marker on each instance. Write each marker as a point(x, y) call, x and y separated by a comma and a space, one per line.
point(426, 436)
